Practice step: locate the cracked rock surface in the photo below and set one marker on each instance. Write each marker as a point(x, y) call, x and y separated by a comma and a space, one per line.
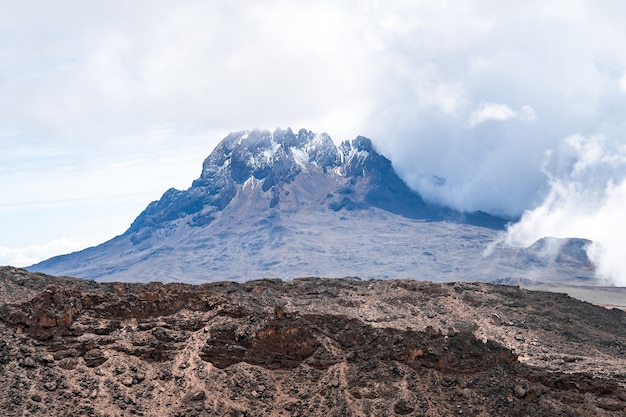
point(307, 347)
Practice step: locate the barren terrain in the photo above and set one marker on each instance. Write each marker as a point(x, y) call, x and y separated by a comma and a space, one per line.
point(307, 347)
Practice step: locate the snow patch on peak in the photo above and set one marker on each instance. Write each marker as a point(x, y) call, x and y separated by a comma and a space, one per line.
point(251, 183)
point(355, 153)
point(319, 139)
point(275, 147)
point(243, 137)
point(339, 171)
point(301, 157)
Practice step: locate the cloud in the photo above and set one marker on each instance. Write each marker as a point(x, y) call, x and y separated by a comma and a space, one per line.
point(119, 69)
point(587, 198)
point(30, 254)
point(498, 112)
point(523, 77)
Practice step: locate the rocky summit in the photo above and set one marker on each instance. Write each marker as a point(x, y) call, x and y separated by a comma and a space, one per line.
point(285, 204)
point(307, 347)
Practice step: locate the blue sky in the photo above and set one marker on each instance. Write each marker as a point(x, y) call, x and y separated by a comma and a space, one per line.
point(104, 105)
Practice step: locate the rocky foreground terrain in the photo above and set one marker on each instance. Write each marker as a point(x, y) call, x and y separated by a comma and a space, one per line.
point(308, 347)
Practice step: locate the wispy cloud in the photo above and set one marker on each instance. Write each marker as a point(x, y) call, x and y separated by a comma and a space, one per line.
point(499, 112)
point(29, 254)
point(587, 197)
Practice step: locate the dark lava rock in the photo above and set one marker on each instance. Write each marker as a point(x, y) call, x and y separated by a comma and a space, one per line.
point(94, 357)
point(308, 347)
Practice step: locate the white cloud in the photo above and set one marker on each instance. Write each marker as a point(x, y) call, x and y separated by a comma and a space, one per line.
point(622, 83)
point(29, 254)
point(485, 112)
point(587, 199)
point(526, 113)
point(493, 111)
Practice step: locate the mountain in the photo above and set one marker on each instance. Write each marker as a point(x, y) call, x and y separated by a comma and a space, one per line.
point(288, 204)
point(306, 347)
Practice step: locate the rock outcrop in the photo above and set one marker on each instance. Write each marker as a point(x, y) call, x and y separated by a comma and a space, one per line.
point(309, 347)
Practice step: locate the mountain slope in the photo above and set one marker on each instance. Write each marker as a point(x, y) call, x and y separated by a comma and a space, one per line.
point(291, 204)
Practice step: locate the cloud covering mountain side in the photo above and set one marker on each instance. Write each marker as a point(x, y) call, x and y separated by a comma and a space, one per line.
point(587, 198)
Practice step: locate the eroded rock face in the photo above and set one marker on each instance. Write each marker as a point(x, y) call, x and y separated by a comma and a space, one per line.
point(51, 313)
point(280, 344)
point(311, 347)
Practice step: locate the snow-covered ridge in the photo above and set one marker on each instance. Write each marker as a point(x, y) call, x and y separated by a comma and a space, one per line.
point(265, 148)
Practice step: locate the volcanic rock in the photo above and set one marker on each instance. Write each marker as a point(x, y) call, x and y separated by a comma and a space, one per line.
point(311, 346)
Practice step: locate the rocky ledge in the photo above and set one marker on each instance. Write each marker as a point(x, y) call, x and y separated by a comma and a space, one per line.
point(308, 347)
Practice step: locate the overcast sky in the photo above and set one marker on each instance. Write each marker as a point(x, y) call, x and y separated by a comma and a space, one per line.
point(518, 106)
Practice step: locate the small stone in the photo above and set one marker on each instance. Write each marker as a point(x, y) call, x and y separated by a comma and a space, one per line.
point(520, 392)
point(93, 394)
point(403, 408)
point(290, 406)
point(36, 398)
point(198, 396)
point(94, 358)
point(28, 363)
point(254, 394)
point(128, 381)
point(50, 386)
point(140, 376)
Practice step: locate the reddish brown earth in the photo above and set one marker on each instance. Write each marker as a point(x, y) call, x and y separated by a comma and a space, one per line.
point(310, 347)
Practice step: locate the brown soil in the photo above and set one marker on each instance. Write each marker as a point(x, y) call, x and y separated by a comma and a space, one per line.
point(310, 347)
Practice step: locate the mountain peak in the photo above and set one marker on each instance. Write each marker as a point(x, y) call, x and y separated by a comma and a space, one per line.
point(352, 176)
point(255, 153)
point(272, 200)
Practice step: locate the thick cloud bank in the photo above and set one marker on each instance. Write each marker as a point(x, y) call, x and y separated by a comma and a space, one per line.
point(587, 198)
point(472, 95)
